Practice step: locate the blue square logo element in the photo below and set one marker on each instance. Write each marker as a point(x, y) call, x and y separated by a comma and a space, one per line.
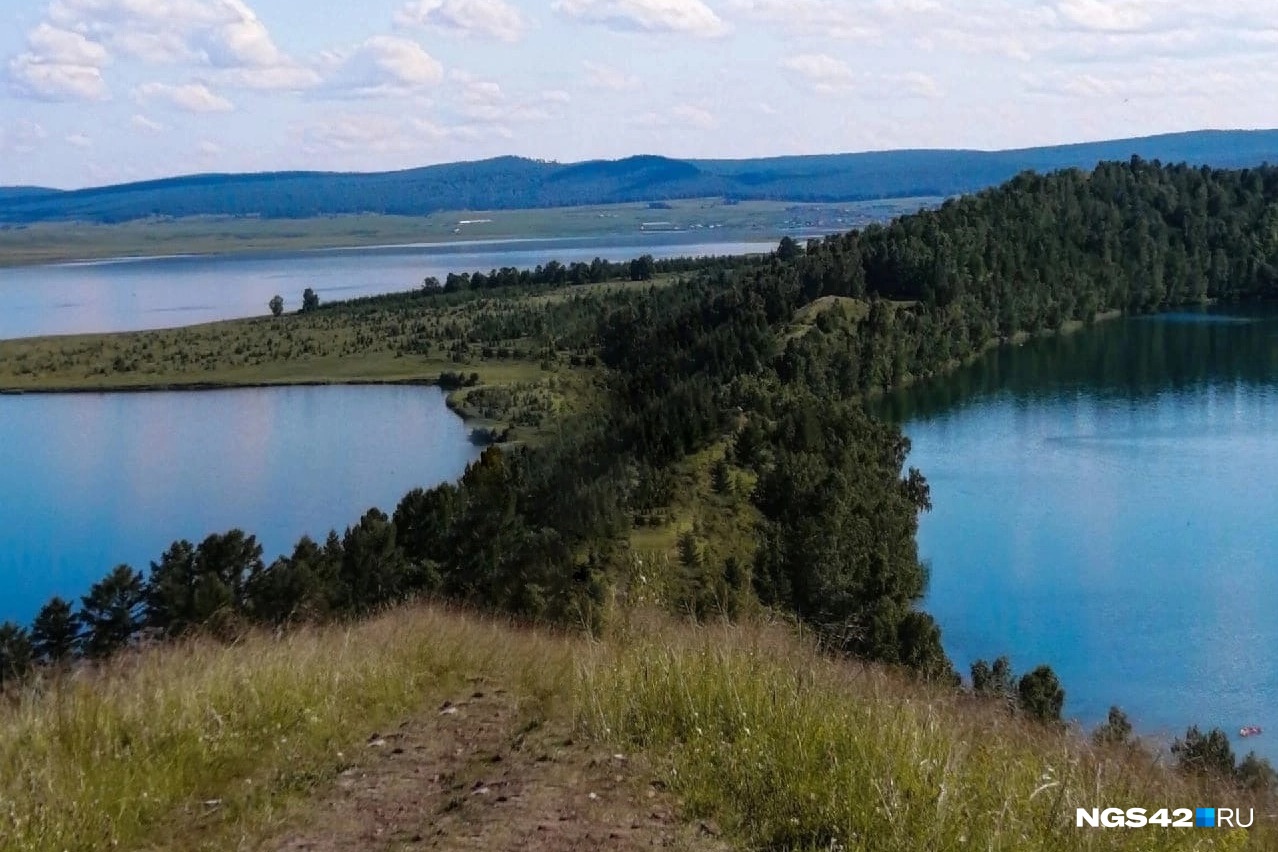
point(1205, 817)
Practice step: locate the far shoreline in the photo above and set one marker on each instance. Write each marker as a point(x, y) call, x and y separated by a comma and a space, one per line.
point(624, 240)
point(686, 221)
point(451, 398)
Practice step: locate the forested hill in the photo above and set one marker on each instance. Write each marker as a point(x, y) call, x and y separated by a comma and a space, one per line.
point(516, 183)
point(9, 194)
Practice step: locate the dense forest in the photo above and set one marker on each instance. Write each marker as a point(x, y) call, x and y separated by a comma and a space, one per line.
point(719, 359)
point(507, 183)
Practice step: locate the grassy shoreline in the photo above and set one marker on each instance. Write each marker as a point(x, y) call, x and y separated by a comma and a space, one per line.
point(162, 387)
point(369, 370)
point(691, 220)
point(308, 373)
point(509, 360)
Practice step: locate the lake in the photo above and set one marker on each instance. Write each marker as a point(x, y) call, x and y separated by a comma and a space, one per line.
point(89, 481)
point(1104, 503)
point(129, 295)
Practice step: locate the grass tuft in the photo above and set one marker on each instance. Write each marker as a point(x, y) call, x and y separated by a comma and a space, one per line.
point(181, 746)
point(212, 746)
point(788, 750)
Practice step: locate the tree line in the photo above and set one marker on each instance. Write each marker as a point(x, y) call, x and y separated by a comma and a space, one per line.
point(556, 274)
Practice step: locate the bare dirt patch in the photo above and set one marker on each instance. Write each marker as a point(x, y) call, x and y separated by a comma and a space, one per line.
point(482, 772)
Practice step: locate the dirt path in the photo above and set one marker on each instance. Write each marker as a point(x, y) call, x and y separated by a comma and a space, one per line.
point(477, 773)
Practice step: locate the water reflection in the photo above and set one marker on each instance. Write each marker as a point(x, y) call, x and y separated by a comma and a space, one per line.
point(93, 480)
point(1104, 503)
point(1131, 359)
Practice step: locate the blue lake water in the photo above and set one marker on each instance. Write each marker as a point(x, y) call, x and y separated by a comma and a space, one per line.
point(89, 481)
point(1104, 502)
point(128, 295)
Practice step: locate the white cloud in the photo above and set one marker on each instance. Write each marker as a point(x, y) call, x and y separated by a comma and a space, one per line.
point(156, 47)
point(828, 75)
point(599, 76)
point(383, 66)
point(477, 91)
point(688, 17)
point(680, 115)
point(59, 65)
point(493, 19)
point(1106, 15)
point(242, 39)
point(501, 116)
point(359, 133)
point(275, 78)
point(484, 102)
point(1096, 30)
point(695, 116)
point(1158, 82)
point(990, 42)
point(49, 81)
point(192, 97)
point(146, 125)
point(22, 137)
point(824, 18)
point(824, 72)
point(65, 47)
point(79, 140)
point(921, 85)
point(225, 35)
point(208, 149)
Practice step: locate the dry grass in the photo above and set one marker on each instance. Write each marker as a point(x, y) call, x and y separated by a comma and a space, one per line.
point(200, 745)
point(208, 746)
point(325, 346)
point(789, 750)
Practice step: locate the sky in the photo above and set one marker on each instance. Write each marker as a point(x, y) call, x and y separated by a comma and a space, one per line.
point(104, 91)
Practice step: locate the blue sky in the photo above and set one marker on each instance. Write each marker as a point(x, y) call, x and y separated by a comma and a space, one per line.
point(100, 91)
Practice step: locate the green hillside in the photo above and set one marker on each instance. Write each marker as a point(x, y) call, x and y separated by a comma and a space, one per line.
point(515, 183)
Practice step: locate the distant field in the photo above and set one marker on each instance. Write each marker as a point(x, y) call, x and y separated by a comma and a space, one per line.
point(701, 219)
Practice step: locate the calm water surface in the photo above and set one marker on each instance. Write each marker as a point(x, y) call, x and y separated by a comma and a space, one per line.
point(89, 481)
point(1105, 503)
point(126, 295)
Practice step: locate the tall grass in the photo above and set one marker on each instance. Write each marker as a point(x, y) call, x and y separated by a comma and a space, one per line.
point(203, 745)
point(183, 747)
point(791, 751)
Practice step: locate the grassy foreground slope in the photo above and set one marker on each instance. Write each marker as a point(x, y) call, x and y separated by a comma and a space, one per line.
point(213, 746)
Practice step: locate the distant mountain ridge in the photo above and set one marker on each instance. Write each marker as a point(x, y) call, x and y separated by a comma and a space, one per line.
point(518, 183)
point(14, 193)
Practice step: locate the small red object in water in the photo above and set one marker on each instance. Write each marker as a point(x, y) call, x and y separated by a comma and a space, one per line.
point(1250, 731)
